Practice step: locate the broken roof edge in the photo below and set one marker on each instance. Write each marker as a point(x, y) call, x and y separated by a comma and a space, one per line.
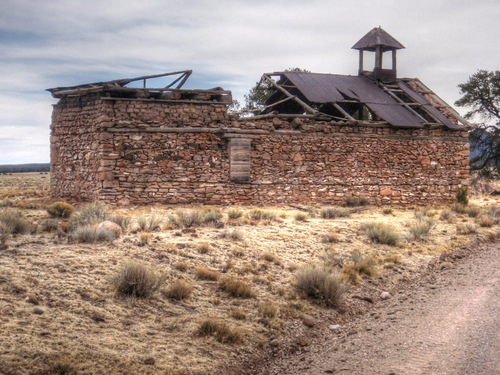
point(118, 86)
point(453, 121)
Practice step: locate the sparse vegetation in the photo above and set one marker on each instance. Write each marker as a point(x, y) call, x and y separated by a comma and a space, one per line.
point(270, 257)
point(459, 208)
point(136, 280)
point(359, 265)
point(330, 237)
point(204, 273)
point(222, 332)
point(91, 214)
point(473, 211)
point(382, 233)
point(236, 288)
point(237, 314)
point(181, 266)
point(321, 284)
point(466, 228)
point(232, 234)
point(334, 212)
point(268, 309)
point(257, 214)
point(14, 220)
point(180, 289)
point(122, 220)
point(144, 238)
point(60, 210)
point(234, 214)
point(448, 216)
point(300, 216)
point(186, 218)
point(50, 225)
point(387, 211)
point(91, 234)
point(150, 223)
point(203, 248)
point(5, 232)
point(420, 228)
point(486, 222)
point(212, 216)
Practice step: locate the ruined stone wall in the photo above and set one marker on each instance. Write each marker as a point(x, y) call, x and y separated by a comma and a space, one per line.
point(180, 153)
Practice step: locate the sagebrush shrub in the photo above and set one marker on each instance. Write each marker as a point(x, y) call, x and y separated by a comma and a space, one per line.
point(382, 233)
point(321, 284)
point(300, 216)
point(61, 209)
point(122, 220)
point(334, 212)
point(448, 216)
point(91, 214)
point(459, 208)
point(212, 216)
point(136, 280)
point(258, 214)
point(15, 220)
point(234, 214)
point(186, 218)
point(92, 234)
point(50, 225)
point(420, 228)
point(5, 232)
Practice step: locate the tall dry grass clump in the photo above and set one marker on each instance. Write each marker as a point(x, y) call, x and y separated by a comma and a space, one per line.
point(91, 214)
point(14, 221)
point(186, 218)
point(321, 284)
point(136, 280)
point(334, 212)
point(150, 223)
point(222, 332)
point(180, 289)
point(382, 233)
point(92, 234)
point(420, 228)
point(359, 265)
point(236, 288)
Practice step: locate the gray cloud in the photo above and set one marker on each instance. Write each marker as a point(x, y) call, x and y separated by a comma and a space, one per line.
point(226, 43)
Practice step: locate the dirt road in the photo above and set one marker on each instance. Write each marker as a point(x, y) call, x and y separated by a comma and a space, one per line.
point(448, 323)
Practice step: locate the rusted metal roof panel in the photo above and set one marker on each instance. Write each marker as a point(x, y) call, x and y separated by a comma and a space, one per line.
point(377, 37)
point(436, 113)
point(332, 88)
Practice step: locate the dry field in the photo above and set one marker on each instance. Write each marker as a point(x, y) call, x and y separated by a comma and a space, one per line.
point(61, 313)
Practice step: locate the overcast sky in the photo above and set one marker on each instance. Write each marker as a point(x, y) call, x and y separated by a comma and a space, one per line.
point(50, 43)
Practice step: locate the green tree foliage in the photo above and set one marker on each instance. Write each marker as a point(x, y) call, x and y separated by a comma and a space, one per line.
point(481, 93)
point(258, 95)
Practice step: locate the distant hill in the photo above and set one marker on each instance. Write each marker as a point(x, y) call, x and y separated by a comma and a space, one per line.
point(32, 167)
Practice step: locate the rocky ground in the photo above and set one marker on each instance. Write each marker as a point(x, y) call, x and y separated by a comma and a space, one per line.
point(60, 312)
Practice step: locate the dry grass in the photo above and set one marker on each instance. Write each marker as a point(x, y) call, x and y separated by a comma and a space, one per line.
point(144, 238)
point(61, 209)
point(70, 282)
point(382, 233)
point(234, 214)
point(236, 288)
point(14, 221)
point(334, 212)
point(268, 309)
point(180, 289)
point(466, 229)
point(321, 284)
point(420, 228)
point(222, 331)
point(300, 216)
point(136, 280)
point(150, 223)
point(205, 273)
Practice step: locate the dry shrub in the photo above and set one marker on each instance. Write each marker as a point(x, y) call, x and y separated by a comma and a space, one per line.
point(181, 266)
point(5, 232)
point(237, 314)
point(360, 265)
point(212, 216)
point(459, 208)
point(144, 238)
point(121, 220)
point(149, 223)
point(382, 233)
point(268, 309)
point(320, 284)
point(466, 229)
point(180, 289)
point(473, 211)
point(356, 201)
point(61, 210)
point(330, 237)
point(91, 214)
point(50, 225)
point(233, 235)
point(387, 211)
point(186, 218)
point(493, 212)
point(14, 220)
point(448, 216)
point(420, 228)
point(300, 216)
point(220, 330)
point(234, 214)
point(334, 212)
point(486, 222)
point(91, 234)
point(392, 258)
point(270, 257)
point(257, 214)
point(205, 273)
point(236, 288)
point(203, 248)
point(136, 280)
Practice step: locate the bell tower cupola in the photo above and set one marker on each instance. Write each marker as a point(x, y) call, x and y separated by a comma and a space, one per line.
point(378, 41)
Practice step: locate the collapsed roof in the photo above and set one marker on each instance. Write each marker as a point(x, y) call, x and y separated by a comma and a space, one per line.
point(118, 89)
point(406, 103)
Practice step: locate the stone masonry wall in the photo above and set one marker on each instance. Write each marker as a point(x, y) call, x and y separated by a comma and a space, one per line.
point(178, 153)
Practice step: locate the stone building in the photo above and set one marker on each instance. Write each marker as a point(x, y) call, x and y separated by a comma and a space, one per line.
point(319, 138)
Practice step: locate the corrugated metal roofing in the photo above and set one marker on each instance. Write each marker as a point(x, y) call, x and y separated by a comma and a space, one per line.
point(377, 37)
point(332, 88)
